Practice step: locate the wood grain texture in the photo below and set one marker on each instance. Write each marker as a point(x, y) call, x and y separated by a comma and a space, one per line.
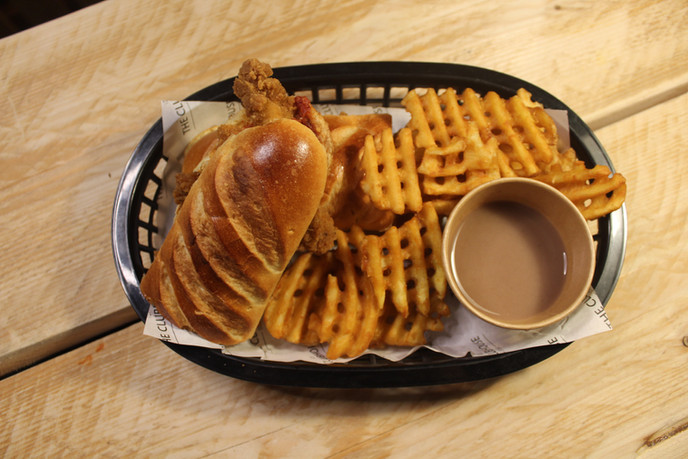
point(78, 93)
point(617, 394)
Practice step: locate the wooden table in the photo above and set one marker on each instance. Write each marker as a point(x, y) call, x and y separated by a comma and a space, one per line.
point(78, 93)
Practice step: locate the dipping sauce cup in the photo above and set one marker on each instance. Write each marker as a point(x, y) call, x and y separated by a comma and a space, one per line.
point(518, 254)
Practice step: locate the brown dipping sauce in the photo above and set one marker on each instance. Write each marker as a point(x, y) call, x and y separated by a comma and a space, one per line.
point(509, 259)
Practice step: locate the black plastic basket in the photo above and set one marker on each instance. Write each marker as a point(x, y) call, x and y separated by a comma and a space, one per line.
point(364, 83)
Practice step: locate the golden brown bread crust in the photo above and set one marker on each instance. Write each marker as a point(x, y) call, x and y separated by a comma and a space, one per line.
point(263, 100)
point(237, 229)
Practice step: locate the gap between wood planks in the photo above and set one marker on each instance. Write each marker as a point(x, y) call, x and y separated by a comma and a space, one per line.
point(613, 114)
point(63, 343)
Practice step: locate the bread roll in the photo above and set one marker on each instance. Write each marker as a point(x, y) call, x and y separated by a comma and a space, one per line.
point(237, 229)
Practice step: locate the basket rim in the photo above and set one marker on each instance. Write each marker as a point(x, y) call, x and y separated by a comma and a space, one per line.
point(387, 74)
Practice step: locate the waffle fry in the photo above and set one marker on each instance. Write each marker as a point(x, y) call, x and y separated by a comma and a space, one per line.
point(458, 168)
point(394, 329)
point(339, 298)
point(406, 263)
point(349, 318)
point(521, 139)
point(427, 121)
point(347, 204)
point(443, 204)
point(454, 159)
point(389, 171)
point(596, 192)
point(464, 140)
point(298, 293)
point(325, 299)
point(526, 136)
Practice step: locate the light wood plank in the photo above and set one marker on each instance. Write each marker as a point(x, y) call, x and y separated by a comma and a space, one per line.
point(616, 394)
point(79, 93)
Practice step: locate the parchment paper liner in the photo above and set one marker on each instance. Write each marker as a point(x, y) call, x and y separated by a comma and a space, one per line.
point(464, 333)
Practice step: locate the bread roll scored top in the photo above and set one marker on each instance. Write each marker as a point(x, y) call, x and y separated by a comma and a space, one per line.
point(236, 231)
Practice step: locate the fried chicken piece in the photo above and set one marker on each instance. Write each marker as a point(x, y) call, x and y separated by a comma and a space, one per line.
point(309, 117)
point(322, 233)
point(263, 97)
point(232, 127)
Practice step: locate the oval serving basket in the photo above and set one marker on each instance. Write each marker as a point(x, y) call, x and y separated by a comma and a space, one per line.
point(365, 83)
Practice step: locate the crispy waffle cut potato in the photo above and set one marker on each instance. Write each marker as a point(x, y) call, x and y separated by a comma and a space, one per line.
point(346, 204)
point(339, 298)
point(325, 299)
point(393, 329)
point(526, 140)
point(525, 136)
point(596, 192)
point(515, 138)
point(452, 157)
point(405, 263)
point(298, 293)
point(348, 319)
point(460, 167)
point(389, 174)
